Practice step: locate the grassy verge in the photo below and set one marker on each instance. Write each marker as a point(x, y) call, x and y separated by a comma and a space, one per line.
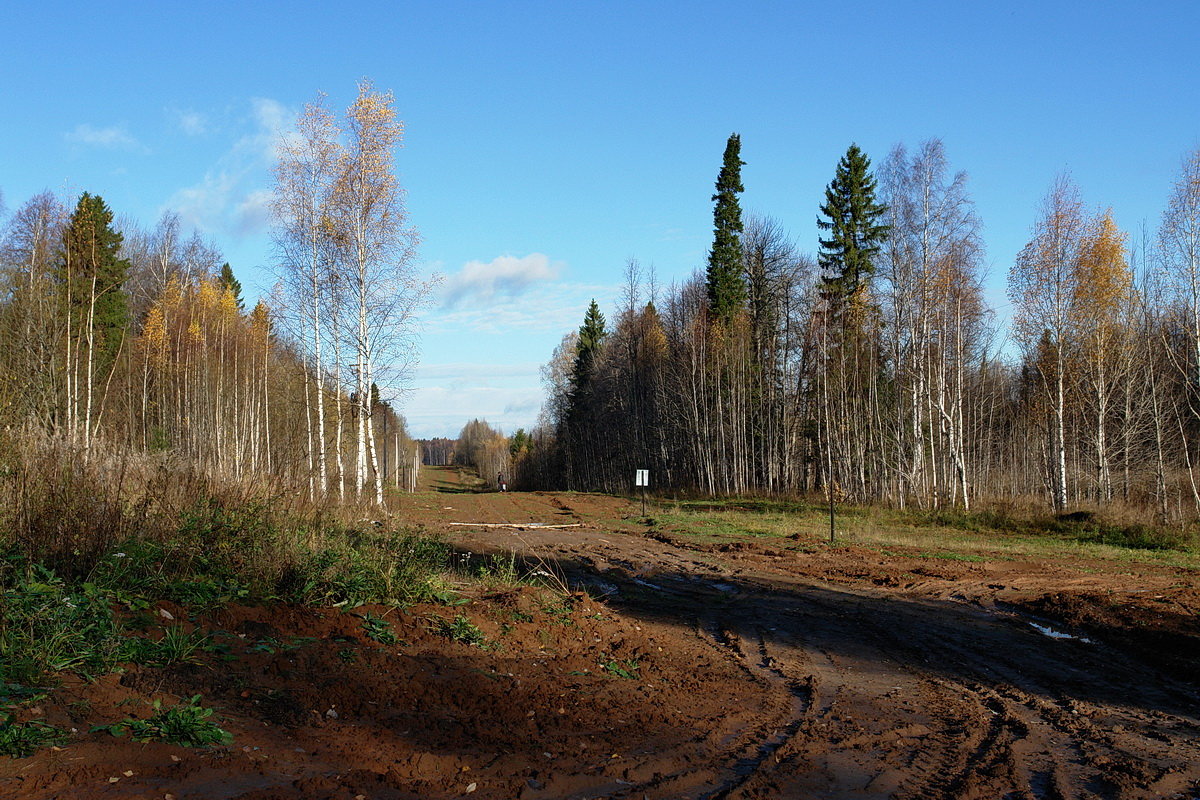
point(940, 534)
point(91, 550)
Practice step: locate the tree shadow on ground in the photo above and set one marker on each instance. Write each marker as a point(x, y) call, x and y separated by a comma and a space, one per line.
point(951, 640)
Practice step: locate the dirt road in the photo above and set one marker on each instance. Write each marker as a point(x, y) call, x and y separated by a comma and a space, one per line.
point(679, 668)
point(886, 678)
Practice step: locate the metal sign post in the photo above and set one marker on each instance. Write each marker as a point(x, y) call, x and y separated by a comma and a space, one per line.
point(642, 479)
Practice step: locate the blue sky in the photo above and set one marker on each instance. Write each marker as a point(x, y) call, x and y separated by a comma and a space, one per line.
point(547, 143)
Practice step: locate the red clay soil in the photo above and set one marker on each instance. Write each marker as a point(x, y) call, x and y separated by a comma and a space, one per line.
point(676, 670)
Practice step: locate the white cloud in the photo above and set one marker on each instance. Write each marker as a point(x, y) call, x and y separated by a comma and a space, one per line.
point(442, 411)
point(253, 214)
point(502, 277)
point(230, 198)
point(114, 136)
point(548, 308)
point(191, 122)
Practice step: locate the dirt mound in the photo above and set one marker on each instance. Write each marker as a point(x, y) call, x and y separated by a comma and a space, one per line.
point(521, 694)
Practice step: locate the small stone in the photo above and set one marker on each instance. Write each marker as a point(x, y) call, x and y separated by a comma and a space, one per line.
point(331, 714)
point(471, 787)
point(162, 612)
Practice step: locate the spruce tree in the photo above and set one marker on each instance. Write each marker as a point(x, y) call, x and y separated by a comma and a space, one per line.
point(230, 282)
point(591, 334)
point(851, 215)
point(726, 289)
point(91, 275)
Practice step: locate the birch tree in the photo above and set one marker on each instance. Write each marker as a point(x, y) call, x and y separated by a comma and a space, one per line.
point(1042, 287)
point(375, 262)
point(310, 164)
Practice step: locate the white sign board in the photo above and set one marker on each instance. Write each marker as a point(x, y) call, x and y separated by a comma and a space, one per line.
point(643, 478)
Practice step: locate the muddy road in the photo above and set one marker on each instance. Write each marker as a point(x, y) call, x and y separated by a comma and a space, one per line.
point(888, 677)
point(672, 667)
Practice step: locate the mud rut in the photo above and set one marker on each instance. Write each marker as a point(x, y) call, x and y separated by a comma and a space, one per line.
point(874, 694)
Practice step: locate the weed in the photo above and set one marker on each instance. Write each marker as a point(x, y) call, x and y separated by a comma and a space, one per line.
point(186, 724)
point(560, 611)
point(80, 709)
point(22, 739)
point(349, 656)
point(353, 568)
point(627, 669)
point(462, 630)
point(176, 646)
point(378, 629)
point(953, 556)
point(48, 627)
point(270, 645)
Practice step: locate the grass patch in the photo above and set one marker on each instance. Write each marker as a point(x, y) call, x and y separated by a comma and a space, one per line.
point(378, 629)
point(461, 629)
point(986, 534)
point(627, 669)
point(188, 724)
point(23, 739)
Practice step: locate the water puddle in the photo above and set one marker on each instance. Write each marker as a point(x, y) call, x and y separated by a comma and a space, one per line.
point(1046, 630)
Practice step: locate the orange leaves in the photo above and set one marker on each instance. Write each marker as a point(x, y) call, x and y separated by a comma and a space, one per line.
point(1072, 279)
point(1102, 283)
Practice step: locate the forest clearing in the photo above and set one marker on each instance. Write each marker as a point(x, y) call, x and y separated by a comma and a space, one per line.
point(693, 653)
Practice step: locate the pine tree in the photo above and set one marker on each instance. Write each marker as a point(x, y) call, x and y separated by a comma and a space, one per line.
point(228, 281)
point(847, 257)
point(726, 289)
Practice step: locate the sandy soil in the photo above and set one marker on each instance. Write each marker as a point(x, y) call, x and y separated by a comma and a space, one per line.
point(678, 669)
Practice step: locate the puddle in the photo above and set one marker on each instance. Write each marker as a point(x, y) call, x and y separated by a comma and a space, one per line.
point(641, 582)
point(1046, 630)
point(604, 587)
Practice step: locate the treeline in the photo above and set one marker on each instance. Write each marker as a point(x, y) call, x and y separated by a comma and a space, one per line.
point(489, 451)
point(124, 339)
point(878, 373)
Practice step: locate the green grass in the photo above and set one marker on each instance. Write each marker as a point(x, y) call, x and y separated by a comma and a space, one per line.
point(945, 534)
point(461, 629)
point(188, 724)
point(627, 669)
point(23, 739)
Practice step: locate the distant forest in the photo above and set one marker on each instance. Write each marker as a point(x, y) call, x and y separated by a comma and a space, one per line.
point(877, 372)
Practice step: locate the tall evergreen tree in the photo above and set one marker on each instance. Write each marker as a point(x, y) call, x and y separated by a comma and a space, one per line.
point(591, 334)
point(230, 282)
point(851, 215)
point(91, 275)
point(726, 289)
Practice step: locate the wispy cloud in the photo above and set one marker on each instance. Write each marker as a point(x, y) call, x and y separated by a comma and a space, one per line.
point(503, 277)
point(442, 411)
point(231, 197)
point(112, 137)
point(548, 308)
point(190, 121)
